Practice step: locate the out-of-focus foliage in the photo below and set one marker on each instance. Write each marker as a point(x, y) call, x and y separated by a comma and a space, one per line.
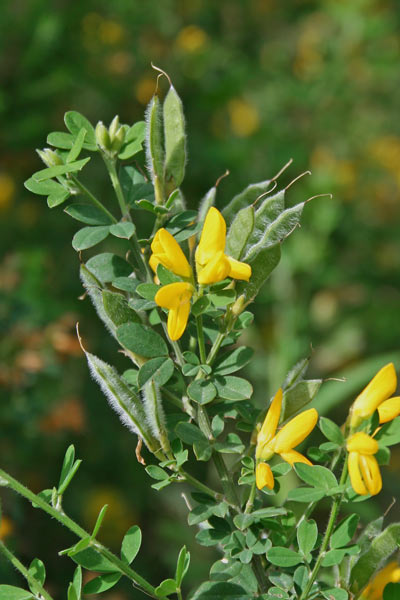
point(262, 81)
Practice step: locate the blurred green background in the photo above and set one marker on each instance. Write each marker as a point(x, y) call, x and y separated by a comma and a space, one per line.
point(262, 81)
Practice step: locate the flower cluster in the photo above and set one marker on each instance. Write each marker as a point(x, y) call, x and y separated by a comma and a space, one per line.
point(212, 266)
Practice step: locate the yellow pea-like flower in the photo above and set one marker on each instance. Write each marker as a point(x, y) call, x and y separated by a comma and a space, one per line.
point(175, 297)
point(269, 442)
point(389, 409)
point(389, 574)
point(264, 476)
point(211, 261)
point(364, 472)
point(379, 389)
point(166, 250)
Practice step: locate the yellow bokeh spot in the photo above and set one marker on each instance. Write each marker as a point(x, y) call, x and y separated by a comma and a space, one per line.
point(191, 39)
point(244, 117)
point(6, 528)
point(7, 190)
point(119, 515)
point(385, 151)
point(119, 63)
point(111, 32)
point(145, 89)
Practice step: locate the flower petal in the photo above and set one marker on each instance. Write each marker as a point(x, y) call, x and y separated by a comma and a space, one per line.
point(355, 474)
point(293, 457)
point(177, 320)
point(389, 410)
point(371, 474)
point(173, 294)
point(239, 270)
point(264, 476)
point(294, 432)
point(390, 574)
point(362, 443)
point(381, 387)
point(271, 420)
point(215, 270)
point(212, 238)
point(168, 252)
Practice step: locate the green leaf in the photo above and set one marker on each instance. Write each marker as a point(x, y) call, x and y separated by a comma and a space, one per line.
point(233, 388)
point(189, 433)
point(9, 592)
point(381, 548)
point(335, 594)
point(127, 284)
point(283, 557)
point(298, 396)
point(166, 276)
point(211, 590)
point(86, 213)
point(124, 230)
point(45, 188)
point(107, 267)
point(57, 198)
point(307, 534)
point(58, 170)
point(147, 290)
point(232, 445)
point(331, 431)
point(99, 520)
point(93, 561)
point(68, 470)
point(135, 186)
point(160, 369)
point(248, 196)
point(391, 591)
point(222, 298)
point(182, 565)
point(202, 391)
point(333, 557)
point(76, 585)
point(38, 571)
point(306, 494)
point(156, 472)
point(235, 572)
point(77, 146)
point(202, 450)
point(233, 361)
point(389, 434)
point(131, 544)
point(117, 309)
point(175, 139)
point(133, 142)
point(89, 236)
point(262, 264)
point(317, 476)
point(344, 532)
point(102, 583)
point(141, 340)
point(166, 587)
point(74, 122)
point(200, 306)
point(239, 232)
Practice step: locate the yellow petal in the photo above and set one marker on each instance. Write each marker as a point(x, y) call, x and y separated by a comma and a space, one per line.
point(271, 420)
point(177, 320)
point(264, 476)
point(355, 475)
point(381, 387)
point(293, 457)
point(168, 252)
point(294, 432)
point(173, 294)
point(389, 410)
point(390, 574)
point(154, 262)
point(239, 270)
point(371, 474)
point(212, 238)
point(215, 270)
point(362, 443)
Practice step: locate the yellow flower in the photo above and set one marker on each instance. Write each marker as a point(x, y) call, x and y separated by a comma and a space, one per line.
point(291, 435)
point(264, 476)
point(211, 261)
point(365, 475)
point(390, 574)
point(375, 396)
point(176, 298)
point(167, 251)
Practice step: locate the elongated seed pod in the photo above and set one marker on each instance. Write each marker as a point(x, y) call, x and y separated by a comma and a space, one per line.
point(155, 146)
point(175, 140)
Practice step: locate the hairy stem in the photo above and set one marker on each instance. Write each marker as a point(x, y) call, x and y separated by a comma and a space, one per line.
point(92, 198)
point(200, 486)
point(200, 338)
point(34, 584)
point(79, 532)
point(325, 542)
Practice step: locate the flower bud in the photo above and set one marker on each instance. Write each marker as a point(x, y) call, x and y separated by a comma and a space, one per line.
point(102, 136)
point(49, 157)
point(238, 306)
point(118, 139)
point(114, 127)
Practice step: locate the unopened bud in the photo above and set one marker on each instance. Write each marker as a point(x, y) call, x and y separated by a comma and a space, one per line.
point(114, 126)
point(118, 140)
point(102, 136)
point(238, 306)
point(49, 157)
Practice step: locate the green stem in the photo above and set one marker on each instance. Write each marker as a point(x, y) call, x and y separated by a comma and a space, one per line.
point(225, 477)
point(250, 501)
point(215, 348)
point(92, 198)
point(200, 338)
point(79, 532)
point(110, 164)
point(200, 486)
point(325, 542)
point(33, 583)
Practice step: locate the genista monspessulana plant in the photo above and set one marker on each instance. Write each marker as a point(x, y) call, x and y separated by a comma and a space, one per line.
point(176, 300)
